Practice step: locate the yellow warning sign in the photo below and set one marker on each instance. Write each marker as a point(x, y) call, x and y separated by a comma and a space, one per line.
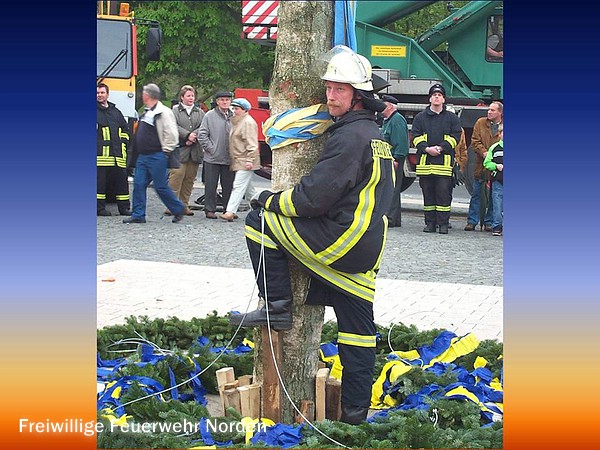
point(396, 51)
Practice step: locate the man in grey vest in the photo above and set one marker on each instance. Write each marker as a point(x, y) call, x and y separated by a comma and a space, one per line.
point(213, 137)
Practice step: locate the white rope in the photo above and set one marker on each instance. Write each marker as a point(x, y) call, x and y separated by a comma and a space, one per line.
point(262, 249)
point(212, 362)
point(261, 263)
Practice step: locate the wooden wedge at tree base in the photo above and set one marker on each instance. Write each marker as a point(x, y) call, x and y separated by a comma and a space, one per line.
point(224, 376)
point(333, 399)
point(245, 380)
point(250, 400)
point(271, 390)
point(307, 408)
point(232, 400)
point(320, 393)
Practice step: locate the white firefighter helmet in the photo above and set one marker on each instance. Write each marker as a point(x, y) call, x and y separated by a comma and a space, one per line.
point(343, 65)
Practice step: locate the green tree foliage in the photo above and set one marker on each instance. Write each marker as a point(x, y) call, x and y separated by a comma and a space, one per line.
point(422, 20)
point(201, 46)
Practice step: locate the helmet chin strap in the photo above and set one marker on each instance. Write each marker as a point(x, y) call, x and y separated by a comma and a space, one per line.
point(355, 100)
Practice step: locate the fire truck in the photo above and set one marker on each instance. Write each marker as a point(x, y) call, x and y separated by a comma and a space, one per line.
point(116, 55)
point(464, 52)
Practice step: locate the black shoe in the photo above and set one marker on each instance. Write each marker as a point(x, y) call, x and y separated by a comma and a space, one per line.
point(125, 212)
point(211, 215)
point(443, 229)
point(280, 316)
point(354, 415)
point(429, 229)
point(469, 227)
point(134, 220)
point(449, 225)
point(177, 218)
point(104, 213)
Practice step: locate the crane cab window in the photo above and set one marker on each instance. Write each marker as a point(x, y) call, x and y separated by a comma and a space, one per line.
point(494, 50)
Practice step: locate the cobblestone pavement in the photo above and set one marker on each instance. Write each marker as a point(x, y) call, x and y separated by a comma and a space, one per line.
point(189, 269)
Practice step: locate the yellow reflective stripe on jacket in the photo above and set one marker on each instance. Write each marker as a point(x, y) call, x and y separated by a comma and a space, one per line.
point(121, 162)
point(359, 285)
point(123, 134)
point(268, 202)
point(419, 139)
point(356, 340)
point(360, 223)
point(385, 229)
point(122, 197)
point(256, 236)
point(286, 205)
point(105, 161)
point(106, 133)
point(444, 169)
point(440, 170)
point(422, 167)
point(450, 140)
point(100, 196)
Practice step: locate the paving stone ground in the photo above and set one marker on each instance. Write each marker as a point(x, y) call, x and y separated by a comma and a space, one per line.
point(161, 269)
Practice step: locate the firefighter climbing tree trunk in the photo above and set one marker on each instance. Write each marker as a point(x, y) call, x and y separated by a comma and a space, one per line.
point(305, 32)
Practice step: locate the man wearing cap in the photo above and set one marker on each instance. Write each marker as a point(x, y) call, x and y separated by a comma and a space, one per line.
point(245, 157)
point(156, 136)
point(436, 132)
point(333, 223)
point(395, 131)
point(214, 139)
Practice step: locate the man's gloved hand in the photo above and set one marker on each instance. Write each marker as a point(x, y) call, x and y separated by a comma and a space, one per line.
point(259, 200)
point(457, 175)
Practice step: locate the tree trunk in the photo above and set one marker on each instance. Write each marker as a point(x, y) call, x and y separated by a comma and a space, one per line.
point(305, 32)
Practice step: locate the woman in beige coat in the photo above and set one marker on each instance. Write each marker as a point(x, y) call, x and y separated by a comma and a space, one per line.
point(188, 117)
point(245, 157)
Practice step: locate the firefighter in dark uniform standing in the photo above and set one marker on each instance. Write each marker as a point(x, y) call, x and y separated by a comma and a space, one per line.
point(332, 222)
point(111, 154)
point(436, 132)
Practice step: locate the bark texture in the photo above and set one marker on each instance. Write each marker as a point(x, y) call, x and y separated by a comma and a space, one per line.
point(305, 32)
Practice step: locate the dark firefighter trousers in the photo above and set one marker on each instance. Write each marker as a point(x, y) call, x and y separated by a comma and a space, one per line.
point(437, 198)
point(354, 316)
point(115, 178)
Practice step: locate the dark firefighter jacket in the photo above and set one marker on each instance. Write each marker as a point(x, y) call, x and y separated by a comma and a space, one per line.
point(113, 137)
point(333, 221)
point(429, 129)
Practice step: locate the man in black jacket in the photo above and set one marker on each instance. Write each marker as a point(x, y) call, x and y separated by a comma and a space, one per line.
point(111, 154)
point(333, 223)
point(436, 132)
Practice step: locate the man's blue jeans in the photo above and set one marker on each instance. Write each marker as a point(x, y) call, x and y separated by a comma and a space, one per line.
point(475, 205)
point(497, 202)
point(153, 167)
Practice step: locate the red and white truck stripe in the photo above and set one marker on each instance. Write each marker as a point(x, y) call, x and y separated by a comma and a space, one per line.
point(259, 19)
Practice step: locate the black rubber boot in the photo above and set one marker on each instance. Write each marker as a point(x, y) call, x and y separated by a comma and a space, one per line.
point(124, 208)
point(101, 208)
point(280, 316)
point(354, 415)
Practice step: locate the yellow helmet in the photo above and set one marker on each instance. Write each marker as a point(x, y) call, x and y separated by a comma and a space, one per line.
point(343, 65)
